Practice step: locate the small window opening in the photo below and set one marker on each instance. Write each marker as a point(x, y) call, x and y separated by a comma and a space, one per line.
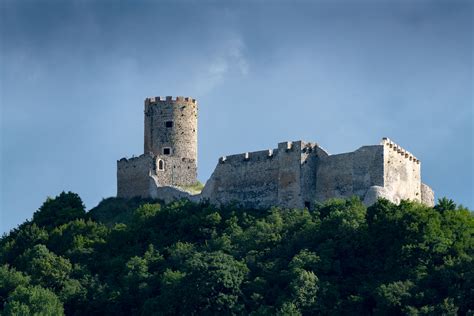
point(169, 124)
point(161, 165)
point(166, 151)
point(307, 204)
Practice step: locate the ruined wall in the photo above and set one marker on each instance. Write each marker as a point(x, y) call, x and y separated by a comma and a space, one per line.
point(133, 176)
point(289, 174)
point(182, 136)
point(311, 154)
point(169, 194)
point(402, 175)
point(249, 179)
point(175, 171)
point(285, 176)
point(427, 195)
point(348, 174)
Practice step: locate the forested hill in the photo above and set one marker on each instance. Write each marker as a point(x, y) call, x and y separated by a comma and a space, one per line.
point(142, 257)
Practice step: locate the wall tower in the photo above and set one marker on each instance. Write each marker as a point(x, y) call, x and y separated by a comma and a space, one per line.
point(171, 127)
point(171, 137)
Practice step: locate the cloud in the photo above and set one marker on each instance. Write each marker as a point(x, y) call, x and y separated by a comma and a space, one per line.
point(228, 60)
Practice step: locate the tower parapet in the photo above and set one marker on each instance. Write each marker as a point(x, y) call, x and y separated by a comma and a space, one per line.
point(158, 99)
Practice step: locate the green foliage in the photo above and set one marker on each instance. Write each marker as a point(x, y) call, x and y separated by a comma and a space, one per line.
point(141, 257)
point(45, 267)
point(194, 188)
point(33, 300)
point(60, 210)
point(10, 279)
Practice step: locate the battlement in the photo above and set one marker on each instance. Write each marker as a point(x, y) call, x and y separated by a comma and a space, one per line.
point(294, 146)
point(169, 99)
point(135, 158)
point(398, 149)
point(250, 156)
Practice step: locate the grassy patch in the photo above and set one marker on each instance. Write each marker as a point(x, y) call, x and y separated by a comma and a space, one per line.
point(194, 188)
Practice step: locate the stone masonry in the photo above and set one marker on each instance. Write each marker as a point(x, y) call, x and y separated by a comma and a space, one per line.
point(295, 174)
point(170, 149)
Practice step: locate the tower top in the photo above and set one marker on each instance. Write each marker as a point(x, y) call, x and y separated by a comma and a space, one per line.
point(168, 99)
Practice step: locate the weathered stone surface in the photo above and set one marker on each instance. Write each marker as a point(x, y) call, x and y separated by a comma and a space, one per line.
point(376, 192)
point(402, 173)
point(170, 149)
point(295, 174)
point(427, 195)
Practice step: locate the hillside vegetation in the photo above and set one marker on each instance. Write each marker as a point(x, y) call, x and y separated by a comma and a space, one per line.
point(141, 257)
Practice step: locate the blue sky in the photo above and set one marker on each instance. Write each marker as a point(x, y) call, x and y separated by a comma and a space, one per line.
point(74, 75)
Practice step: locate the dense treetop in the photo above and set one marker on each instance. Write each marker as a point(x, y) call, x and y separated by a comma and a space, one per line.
point(142, 257)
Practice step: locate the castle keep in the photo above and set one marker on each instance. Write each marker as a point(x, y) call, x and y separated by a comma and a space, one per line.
point(170, 149)
point(295, 174)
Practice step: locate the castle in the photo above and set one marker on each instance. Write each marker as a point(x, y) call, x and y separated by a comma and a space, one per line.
point(295, 174)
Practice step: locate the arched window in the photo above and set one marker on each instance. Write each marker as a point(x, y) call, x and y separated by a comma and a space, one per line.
point(161, 165)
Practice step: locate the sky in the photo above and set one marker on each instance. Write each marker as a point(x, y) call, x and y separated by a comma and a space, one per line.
point(343, 73)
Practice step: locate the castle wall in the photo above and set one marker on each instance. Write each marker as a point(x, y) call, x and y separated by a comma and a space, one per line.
point(427, 195)
point(169, 194)
point(348, 174)
point(311, 154)
point(250, 179)
point(176, 171)
point(133, 176)
point(289, 174)
point(402, 176)
point(285, 176)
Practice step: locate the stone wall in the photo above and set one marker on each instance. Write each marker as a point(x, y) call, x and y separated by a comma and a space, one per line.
point(427, 195)
point(176, 171)
point(133, 176)
point(249, 179)
point(285, 176)
point(289, 174)
point(169, 194)
point(311, 154)
point(348, 174)
point(402, 176)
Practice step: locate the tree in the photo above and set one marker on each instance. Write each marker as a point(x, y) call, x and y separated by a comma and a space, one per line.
point(10, 279)
point(33, 300)
point(212, 283)
point(445, 204)
point(45, 267)
point(304, 288)
point(59, 210)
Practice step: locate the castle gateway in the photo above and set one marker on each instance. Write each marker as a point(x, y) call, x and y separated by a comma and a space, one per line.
point(295, 174)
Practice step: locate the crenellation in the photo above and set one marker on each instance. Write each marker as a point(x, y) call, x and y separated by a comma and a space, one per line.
point(389, 143)
point(294, 174)
point(159, 100)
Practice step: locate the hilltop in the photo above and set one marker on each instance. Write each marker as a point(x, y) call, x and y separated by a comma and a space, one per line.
point(144, 257)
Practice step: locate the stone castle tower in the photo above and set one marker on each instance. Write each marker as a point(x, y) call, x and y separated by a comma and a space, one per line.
point(170, 149)
point(171, 128)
